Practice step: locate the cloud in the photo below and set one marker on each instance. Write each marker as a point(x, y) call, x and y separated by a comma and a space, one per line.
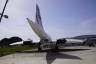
point(88, 26)
point(83, 28)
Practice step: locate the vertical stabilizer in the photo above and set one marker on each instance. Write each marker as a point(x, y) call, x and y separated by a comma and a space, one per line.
point(38, 17)
point(38, 27)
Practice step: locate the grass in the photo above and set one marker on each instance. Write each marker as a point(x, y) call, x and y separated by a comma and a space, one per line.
point(9, 50)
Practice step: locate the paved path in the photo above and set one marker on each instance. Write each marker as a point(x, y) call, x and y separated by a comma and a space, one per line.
point(69, 55)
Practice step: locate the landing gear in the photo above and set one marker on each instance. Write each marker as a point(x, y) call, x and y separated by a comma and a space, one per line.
point(39, 47)
point(56, 47)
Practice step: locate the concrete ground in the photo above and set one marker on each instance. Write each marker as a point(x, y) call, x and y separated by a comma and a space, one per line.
point(68, 55)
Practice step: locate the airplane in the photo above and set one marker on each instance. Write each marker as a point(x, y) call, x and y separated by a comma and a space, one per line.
point(37, 27)
point(45, 39)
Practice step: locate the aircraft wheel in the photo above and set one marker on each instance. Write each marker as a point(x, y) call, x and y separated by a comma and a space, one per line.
point(56, 48)
point(39, 49)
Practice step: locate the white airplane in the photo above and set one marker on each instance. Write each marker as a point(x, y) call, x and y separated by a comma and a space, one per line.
point(37, 27)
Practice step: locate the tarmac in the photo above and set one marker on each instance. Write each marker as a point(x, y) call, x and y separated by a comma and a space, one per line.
point(67, 55)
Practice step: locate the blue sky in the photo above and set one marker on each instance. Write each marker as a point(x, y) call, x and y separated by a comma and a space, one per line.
point(60, 18)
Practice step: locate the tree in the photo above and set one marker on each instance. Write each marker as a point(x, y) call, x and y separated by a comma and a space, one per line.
point(15, 39)
point(7, 41)
point(4, 42)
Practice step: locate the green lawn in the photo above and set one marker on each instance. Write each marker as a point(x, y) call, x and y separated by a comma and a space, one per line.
point(9, 50)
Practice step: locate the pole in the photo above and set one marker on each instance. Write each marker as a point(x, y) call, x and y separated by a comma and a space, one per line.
point(3, 10)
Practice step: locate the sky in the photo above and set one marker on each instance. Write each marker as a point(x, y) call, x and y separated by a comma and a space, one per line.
point(60, 18)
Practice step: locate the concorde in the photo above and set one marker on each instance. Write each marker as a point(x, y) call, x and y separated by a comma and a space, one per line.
point(38, 27)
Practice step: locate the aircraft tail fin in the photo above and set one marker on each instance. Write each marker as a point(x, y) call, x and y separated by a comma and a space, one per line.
point(38, 17)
